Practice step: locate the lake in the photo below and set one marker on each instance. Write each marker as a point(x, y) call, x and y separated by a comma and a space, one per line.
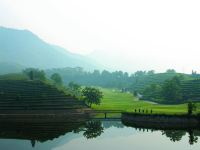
point(96, 134)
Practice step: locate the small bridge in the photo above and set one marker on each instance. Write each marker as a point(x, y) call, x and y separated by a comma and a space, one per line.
point(106, 112)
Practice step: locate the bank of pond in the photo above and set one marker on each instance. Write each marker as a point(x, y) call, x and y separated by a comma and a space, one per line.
point(161, 121)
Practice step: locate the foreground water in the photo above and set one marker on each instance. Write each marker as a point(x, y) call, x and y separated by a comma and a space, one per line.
point(96, 135)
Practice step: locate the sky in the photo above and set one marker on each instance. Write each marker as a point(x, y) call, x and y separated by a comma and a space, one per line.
point(126, 35)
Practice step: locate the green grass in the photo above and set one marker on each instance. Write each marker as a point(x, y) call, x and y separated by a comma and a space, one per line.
point(115, 100)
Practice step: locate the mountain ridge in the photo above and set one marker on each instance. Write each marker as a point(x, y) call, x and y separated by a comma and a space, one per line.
point(27, 49)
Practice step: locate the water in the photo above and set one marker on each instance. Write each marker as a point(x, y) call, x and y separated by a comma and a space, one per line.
point(92, 135)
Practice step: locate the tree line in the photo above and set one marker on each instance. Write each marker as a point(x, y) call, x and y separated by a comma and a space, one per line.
point(108, 79)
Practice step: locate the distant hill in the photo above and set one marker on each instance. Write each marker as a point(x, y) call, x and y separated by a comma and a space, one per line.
point(27, 49)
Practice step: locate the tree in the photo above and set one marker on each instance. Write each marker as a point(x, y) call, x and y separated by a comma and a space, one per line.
point(56, 78)
point(170, 71)
point(191, 107)
point(152, 92)
point(151, 72)
point(93, 129)
point(74, 86)
point(171, 90)
point(35, 74)
point(92, 96)
point(174, 135)
point(192, 138)
point(139, 73)
point(75, 89)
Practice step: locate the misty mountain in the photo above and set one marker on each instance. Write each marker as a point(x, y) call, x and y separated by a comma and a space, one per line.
point(6, 68)
point(27, 49)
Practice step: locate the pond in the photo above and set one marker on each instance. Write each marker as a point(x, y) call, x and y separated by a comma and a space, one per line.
point(95, 134)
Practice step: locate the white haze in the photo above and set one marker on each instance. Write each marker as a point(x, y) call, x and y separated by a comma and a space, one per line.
point(122, 34)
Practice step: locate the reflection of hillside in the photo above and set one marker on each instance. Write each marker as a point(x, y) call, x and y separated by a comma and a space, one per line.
point(38, 130)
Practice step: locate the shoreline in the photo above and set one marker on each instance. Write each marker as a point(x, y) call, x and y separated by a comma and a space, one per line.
point(161, 121)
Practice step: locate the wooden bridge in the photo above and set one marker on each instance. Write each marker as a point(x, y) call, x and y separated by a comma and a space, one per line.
point(106, 112)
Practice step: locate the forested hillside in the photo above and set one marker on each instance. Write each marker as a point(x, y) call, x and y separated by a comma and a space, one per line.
point(175, 90)
point(122, 80)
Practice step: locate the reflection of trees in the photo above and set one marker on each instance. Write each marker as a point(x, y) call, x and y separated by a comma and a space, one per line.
point(93, 129)
point(33, 143)
point(174, 135)
point(192, 138)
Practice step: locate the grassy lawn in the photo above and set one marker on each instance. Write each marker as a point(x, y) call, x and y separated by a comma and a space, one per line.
point(115, 100)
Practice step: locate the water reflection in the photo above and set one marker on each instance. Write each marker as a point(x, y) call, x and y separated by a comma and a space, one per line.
point(174, 134)
point(42, 131)
point(93, 129)
point(37, 131)
point(44, 135)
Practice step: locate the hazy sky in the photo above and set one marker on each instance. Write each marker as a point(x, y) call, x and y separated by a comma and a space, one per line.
point(125, 34)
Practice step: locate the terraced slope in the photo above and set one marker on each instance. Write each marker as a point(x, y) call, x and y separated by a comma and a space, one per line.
point(140, 82)
point(23, 96)
point(191, 90)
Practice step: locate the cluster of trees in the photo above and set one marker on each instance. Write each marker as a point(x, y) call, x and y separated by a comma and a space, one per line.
point(56, 78)
point(116, 79)
point(195, 74)
point(169, 92)
point(35, 74)
point(176, 135)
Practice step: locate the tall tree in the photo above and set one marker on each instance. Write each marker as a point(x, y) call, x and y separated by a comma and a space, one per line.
point(56, 78)
point(35, 74)
point(171, 90)
point(191, 107)
point(74, 86)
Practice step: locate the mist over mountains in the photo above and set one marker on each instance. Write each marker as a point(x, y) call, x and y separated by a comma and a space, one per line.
point(22, 48)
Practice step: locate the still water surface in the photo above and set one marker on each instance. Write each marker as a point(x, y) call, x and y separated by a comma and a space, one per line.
point(98, 135)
